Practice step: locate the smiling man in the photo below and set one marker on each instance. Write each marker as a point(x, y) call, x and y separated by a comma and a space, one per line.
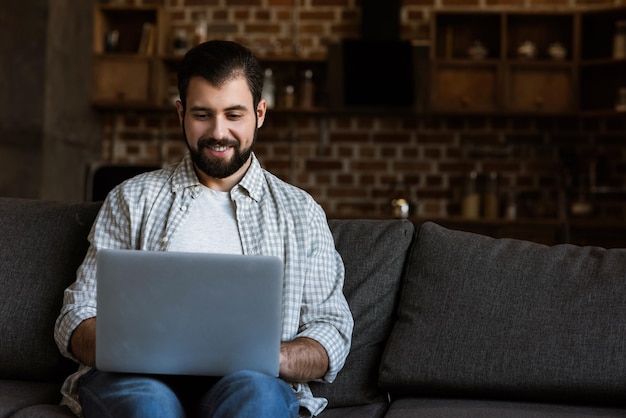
point(217, 199)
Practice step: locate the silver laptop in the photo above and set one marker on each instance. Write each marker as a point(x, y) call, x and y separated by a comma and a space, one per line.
point(188, 313)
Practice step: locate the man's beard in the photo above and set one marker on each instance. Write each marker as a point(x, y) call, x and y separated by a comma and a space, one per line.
point(218, 168)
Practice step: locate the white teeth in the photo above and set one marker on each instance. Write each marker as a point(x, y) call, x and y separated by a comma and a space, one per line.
point(219, 148)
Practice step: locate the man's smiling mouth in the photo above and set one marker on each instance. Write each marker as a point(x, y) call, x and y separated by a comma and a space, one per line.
point(218, 148)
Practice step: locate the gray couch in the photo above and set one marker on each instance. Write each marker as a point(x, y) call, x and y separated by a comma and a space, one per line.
point(447, 323)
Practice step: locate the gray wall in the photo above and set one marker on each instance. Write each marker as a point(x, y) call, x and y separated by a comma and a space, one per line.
point(48, 132)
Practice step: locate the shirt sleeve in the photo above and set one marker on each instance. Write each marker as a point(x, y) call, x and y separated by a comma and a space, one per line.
point(110, 230)
point(325, 315)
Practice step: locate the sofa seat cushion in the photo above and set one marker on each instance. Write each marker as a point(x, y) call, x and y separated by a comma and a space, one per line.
point(374, 253)
point(44, 411)
point(372, 410)
point(462, 408)
point(504, 318)
point(41, 246)
point(16, 395)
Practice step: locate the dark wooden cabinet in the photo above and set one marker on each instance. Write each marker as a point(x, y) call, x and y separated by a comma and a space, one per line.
point(540, 88)
point(540, 52)
point(135, 69)
point(490, 61)
point(461, 86)
point(465, 62)
point(504, 61)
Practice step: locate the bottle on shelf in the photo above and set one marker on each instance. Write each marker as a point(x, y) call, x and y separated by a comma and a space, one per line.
point(470, 206)
point(307, 90)
point(112, 40)
point(269, 89)
point(619, 40)
point(620, 103)
point(288, 97)
point(510, 212)
point(200, 32)
point(491, 202)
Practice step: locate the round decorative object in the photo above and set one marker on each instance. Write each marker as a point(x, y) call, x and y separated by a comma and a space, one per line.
point(527, 50)
point(557, 51)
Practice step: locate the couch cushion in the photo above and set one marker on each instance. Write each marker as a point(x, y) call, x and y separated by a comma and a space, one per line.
point(373, 410)
point(44, 411)
point(507, 318)
point(16, 395)
point(41, 245)
point(374, 252)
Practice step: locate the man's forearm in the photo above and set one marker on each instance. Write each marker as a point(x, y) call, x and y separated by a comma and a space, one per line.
point(302, 360)
point(83, 342)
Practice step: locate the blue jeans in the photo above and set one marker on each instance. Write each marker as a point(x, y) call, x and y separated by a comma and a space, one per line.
point(240, 394)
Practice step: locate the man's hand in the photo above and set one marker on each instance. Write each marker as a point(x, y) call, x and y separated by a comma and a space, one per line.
point(302, 360)
point(83, 342)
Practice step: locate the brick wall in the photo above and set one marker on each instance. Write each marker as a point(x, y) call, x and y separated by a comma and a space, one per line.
point(353, 165)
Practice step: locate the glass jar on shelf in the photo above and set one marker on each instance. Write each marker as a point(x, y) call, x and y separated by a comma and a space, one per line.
point(477, 51)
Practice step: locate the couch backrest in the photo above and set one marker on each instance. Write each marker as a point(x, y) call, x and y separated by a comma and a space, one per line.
point(483, 317)
point(41, 246)
point(374, 253)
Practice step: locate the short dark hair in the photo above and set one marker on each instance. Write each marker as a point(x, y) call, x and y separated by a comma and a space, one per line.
point(218, 62)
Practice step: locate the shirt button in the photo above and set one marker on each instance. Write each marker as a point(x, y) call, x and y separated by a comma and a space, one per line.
point(183, 208)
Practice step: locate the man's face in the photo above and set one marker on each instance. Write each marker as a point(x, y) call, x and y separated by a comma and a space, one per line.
point(220, 127)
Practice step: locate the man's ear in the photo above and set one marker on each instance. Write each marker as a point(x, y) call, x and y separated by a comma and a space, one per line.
point(180, 111)
point(261, 109)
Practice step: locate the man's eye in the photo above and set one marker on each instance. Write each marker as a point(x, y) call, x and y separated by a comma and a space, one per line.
point(200, 115)
point(235, 115)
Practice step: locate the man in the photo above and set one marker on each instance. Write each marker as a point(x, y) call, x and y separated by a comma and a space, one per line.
point(217, 199)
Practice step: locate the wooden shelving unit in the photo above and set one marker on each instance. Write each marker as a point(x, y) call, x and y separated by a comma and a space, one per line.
point(126, 45)
point(503, 79)
point(586, 80)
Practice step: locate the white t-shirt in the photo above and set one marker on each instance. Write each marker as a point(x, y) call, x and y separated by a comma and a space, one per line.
point(210, 225)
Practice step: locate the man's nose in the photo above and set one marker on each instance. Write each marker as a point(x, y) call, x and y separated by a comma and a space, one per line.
point(218, 129)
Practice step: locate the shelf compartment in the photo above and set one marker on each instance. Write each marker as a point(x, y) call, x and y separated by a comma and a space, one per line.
point(600, 84)
point(130, 23)
point(455, 33)
point(122, 79)
point(598, 27)
point(540, 88)
point(465, 87)
point(542, 30)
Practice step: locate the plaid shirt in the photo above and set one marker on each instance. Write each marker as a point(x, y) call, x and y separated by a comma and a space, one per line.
point(274, 218)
